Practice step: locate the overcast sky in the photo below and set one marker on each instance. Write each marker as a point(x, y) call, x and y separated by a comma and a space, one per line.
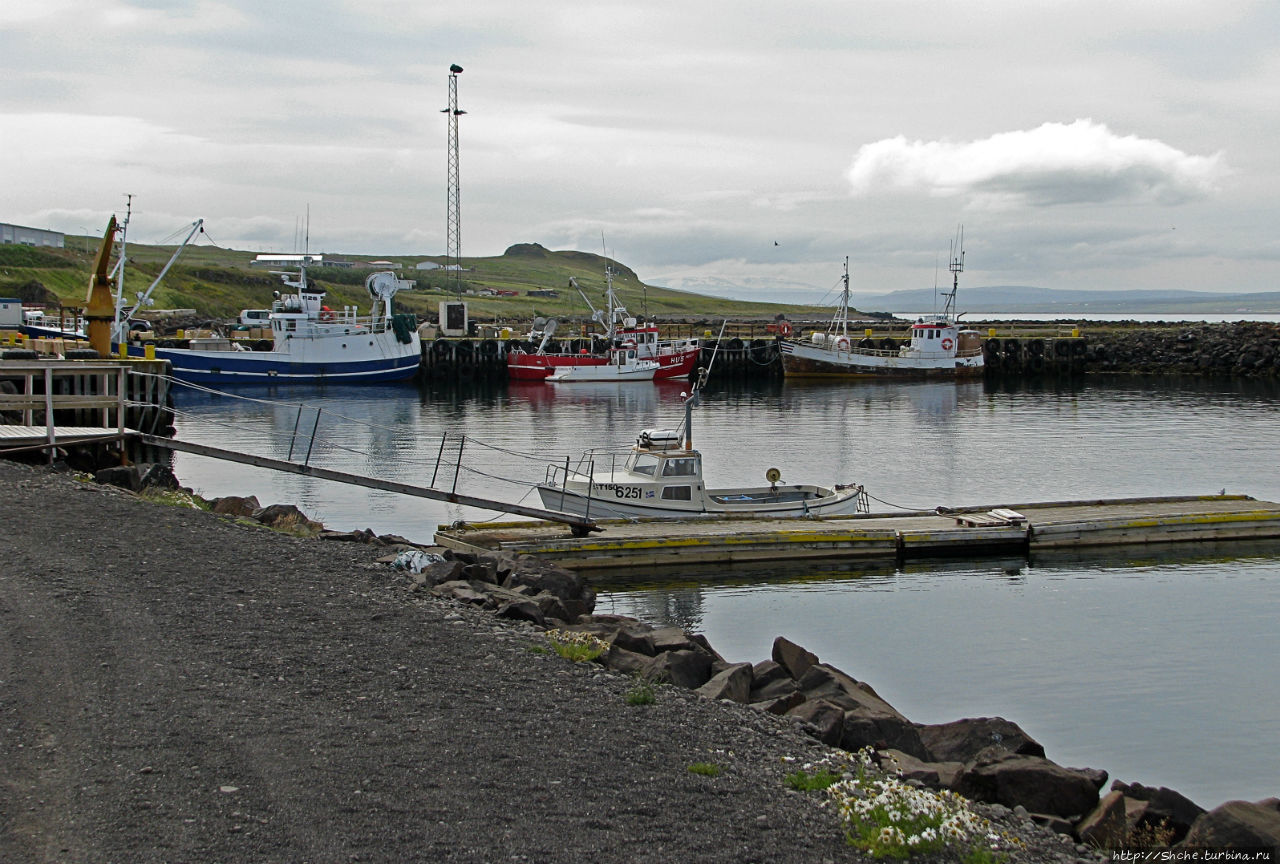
point(742, 148)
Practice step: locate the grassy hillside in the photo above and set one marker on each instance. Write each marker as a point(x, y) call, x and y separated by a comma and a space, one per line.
point(218, 283)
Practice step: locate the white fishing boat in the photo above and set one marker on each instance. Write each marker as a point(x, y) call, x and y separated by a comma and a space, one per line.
point(623, 365)
point(939, 346)
point(661, 477)
point(311, 342)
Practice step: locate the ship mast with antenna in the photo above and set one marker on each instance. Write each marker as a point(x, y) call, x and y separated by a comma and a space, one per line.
point(956, 267)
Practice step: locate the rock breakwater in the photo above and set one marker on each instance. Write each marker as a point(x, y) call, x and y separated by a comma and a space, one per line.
point(986, 759)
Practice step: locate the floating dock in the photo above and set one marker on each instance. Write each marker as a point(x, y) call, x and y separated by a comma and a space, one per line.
point(1004, 529)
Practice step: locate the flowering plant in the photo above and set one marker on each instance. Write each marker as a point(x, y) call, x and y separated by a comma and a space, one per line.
point(576, 646)
point(890, 818)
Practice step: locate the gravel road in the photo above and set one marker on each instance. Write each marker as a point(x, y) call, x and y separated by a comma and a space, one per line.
point(176, 686)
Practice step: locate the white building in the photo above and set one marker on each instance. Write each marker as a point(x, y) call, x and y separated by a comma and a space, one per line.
point(22, 236)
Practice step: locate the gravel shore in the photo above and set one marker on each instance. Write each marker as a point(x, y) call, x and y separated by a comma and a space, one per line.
point(176, 686)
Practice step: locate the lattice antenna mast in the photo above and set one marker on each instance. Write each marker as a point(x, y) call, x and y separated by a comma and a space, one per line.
point(453, 232)
point(956, 267)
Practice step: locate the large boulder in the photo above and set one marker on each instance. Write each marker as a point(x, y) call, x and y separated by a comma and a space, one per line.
point(156, 475)
point(792, 657)
point(235, 505)
point(123, 476)
point(732, 683)
point(540, 575)
point(869, 720)
point(935, 775)
point(1238, 825)
point(1163, 811)
point(826, 720)
point(1107, 826)
point(286, 517)
point(688, 669)
point(963, 740)
point(1033, 782)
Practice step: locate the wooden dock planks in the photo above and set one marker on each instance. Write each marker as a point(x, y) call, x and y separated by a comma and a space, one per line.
point(1049, 525)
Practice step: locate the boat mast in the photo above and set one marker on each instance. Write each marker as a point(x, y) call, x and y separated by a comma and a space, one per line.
point(616, 310)
point(956, 267)
point(841, 327)
point(118, 271)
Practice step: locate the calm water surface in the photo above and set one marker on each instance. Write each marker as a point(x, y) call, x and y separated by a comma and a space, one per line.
point(1156, 668)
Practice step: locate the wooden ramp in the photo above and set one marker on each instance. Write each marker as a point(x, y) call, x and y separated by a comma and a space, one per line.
point(1011, 528)
point(25, 436)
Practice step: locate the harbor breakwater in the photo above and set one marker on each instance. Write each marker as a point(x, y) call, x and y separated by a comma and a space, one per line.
point(986, 759)
point(1018, 350)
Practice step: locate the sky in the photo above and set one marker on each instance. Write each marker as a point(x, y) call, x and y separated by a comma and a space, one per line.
point(741, 148)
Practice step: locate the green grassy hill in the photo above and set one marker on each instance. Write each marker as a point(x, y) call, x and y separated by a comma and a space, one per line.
point(218, 283)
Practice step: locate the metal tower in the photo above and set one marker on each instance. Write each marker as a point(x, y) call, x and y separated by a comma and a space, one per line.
point(453, 232)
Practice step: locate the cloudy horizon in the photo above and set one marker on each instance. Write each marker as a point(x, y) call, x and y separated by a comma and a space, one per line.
point(718, 147)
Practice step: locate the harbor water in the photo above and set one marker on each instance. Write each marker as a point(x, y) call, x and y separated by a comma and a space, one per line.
point(1153, 665)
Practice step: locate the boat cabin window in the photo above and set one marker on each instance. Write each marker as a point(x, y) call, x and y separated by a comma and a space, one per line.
point(643, 463)
point(678, 493)
point(686, 467)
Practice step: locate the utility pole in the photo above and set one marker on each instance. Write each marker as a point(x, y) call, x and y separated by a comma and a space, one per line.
point(453, 232)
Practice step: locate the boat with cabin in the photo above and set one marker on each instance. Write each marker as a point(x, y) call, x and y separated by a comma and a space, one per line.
point(939, 346)
point(676, 358)
point(309, 341)
point(661, 477)
point(624, 364)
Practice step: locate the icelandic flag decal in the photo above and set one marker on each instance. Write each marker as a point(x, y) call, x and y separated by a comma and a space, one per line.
point(648, 494)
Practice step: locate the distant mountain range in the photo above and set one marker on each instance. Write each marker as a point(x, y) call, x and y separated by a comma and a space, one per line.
point(1026, 299)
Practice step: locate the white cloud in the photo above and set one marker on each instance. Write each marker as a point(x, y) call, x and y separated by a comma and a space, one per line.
point(1055, 163)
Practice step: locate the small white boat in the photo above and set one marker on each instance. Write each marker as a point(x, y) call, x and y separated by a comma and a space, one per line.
point(939, 346)
point(661, 477)
point(676, 358)
point(624, 365)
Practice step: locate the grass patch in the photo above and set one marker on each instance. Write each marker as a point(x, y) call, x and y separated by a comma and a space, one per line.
point(813, 779)
point(641, 692)
point(173, 498)
point(705, 769)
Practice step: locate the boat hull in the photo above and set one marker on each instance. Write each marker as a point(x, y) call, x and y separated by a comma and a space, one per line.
point(524, 366)
point(806, 361)
point(225, 367)
point(839, 502)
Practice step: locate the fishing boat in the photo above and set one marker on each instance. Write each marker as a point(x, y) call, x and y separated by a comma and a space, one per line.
point(309, 341)
point(624, 364)
point(939, 347)
point(676, 358)
point(661, 477)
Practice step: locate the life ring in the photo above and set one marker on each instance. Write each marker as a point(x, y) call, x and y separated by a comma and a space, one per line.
point(947, 343)
point(784, 328)
point(842, 344)
point(326, 314)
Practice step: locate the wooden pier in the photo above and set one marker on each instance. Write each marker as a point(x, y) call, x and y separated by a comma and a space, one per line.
point(1005, 529)
point(50, 403)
